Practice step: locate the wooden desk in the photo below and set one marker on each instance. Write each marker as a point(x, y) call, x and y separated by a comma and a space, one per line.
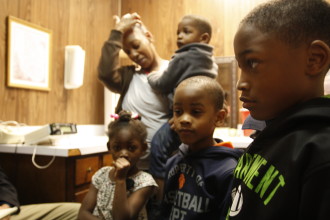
point(67, 179)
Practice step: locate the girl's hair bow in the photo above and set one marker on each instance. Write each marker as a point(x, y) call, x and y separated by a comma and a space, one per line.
point(133, 116)
point(114, 116)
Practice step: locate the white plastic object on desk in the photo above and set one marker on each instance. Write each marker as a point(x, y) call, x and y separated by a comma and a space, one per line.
point(11, 132)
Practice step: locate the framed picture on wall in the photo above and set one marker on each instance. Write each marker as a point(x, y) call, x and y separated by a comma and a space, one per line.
point(29, 55)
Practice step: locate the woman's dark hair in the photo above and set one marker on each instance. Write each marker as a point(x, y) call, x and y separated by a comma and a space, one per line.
point(125, 119)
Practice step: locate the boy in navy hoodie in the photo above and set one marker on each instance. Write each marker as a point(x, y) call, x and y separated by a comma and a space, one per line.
point(198, 178)
point(282, 48)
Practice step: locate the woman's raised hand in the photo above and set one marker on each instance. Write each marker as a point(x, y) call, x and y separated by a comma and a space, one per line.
point(127, 21)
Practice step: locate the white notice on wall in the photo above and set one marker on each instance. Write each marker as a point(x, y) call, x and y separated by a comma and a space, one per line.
point(74, 67)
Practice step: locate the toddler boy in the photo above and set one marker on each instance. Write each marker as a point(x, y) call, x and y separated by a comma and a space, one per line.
point(194, 56)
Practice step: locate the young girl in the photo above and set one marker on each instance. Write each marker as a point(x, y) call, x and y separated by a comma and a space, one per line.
point(122, 190)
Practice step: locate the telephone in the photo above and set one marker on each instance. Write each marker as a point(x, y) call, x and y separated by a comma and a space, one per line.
point(11, 132)
point(43, 133)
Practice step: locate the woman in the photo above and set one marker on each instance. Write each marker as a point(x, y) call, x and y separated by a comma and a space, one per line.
point(131, 82)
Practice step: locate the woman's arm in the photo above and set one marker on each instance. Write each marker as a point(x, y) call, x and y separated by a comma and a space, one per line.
point(88, 204)
point(109, 70)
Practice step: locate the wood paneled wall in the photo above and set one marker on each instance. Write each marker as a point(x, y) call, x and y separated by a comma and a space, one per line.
point(87, 23)
point(162, 17)
point(73, 22)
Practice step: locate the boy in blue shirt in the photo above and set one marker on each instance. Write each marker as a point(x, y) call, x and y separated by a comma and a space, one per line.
point(198, 178)
point(282, 48)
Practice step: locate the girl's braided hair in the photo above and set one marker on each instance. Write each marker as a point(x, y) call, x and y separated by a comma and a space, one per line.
point(125, 119)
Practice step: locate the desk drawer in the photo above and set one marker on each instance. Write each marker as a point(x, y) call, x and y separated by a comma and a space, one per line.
point(85, 168)
point(107, 160)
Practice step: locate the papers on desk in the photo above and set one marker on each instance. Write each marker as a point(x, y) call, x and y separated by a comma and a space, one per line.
point(8, 211)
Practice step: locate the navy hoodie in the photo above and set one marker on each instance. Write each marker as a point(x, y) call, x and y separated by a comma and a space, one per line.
point(198, 184)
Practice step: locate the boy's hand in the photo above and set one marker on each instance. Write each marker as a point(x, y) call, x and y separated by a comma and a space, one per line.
point(126, 22)
point(122, 166)
point(171, 122)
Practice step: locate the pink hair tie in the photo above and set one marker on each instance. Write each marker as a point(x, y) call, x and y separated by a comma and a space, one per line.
point(135, 115)
point(114, 116)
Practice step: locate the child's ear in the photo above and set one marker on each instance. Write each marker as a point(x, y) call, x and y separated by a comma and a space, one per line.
point(108, 146)
point(221, 115)
point(205, 38)
point(144, 146)
point(318, 57)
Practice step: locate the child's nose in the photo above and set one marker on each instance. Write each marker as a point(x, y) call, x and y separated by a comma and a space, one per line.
point(185, 119)
point(242, 84)
point(123, 153)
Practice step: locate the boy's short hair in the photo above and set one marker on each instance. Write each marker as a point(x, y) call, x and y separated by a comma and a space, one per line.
point(210, 86)
point(293, 21)
point(201, 23)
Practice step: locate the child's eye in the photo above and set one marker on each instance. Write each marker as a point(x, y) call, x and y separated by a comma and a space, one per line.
point(252, 63)
point(186, 30)
point(132, 148)
point(196, 111)
point(115, 147)
point(177, 111)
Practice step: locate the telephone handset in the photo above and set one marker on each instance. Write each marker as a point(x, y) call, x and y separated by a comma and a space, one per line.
point(11, 133)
